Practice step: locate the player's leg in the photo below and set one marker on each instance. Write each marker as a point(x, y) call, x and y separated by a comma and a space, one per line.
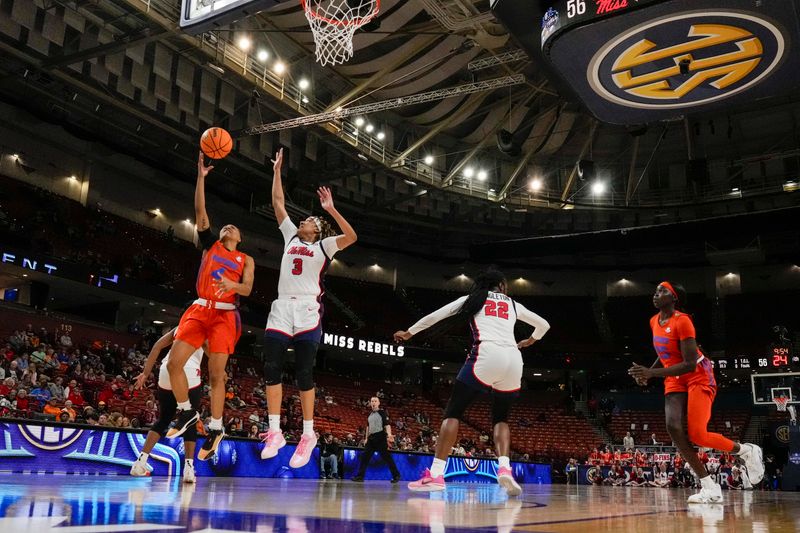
point(190, 437)
point(167, 407)
point(675, 411)
point(190, 335)
point(273, 354)
point(501, 407)
point(460, 399)
point(217, 360)
point(305, 353)
point(698, 414)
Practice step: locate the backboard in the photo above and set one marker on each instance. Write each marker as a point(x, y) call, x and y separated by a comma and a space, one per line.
point(765, 387)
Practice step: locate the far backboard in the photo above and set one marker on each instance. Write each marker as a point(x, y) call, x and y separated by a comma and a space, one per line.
point(766, 387)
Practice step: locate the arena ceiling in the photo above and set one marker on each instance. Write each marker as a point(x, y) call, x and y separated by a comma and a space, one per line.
point(121, 73)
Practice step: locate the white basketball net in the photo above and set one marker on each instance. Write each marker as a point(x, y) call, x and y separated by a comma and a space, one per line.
point(781, 403)
point(334, 22)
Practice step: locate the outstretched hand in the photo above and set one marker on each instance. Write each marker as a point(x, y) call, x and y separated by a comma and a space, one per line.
point(401, 336)
point(325, 198)
point(278, 161)
point(224, 285)
point(640, 373)
point(139, 381)
point(202, 169)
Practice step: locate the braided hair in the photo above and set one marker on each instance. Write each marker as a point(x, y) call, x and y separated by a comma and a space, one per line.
point(487, 280)
point(325, 229)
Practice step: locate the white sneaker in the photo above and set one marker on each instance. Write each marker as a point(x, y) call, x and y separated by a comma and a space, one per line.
point(753, 459)
point(708, 494)
point(188, 474)
point(140, 469)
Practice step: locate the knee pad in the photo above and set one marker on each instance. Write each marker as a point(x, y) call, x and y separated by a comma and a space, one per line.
point(305, 353)
point(273, 353)
point(501, 407)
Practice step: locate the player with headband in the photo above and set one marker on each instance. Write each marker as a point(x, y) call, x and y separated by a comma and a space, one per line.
point(689, 391)
point(295, 318)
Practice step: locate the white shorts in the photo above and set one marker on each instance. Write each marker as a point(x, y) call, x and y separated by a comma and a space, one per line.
point(192, 377)
point(494, 366)
point(289, 318)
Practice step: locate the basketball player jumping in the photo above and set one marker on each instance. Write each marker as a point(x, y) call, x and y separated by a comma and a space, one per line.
point(494, 365)
point(167, 405)
point(225, 274)
point(295, 317)
point(689, 391)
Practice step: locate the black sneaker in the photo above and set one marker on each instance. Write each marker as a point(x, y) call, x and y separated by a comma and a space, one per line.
point(184, 422)
point(396, 479)
point(211, 444)
point(358, 478)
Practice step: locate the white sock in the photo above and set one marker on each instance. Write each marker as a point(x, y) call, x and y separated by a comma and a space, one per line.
point(308, 427)
point(190, 462)
point(185, 406)
point(216, 423)
point(503, 462)
point(143, 457)
point(707, 482)
point(438, 466)
point(274, 422)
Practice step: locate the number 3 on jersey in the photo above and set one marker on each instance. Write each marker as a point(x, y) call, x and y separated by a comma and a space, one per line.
point(498, 309)
point(298, 266)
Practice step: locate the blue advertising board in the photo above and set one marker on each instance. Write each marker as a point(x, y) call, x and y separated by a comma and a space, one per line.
point(48, 448)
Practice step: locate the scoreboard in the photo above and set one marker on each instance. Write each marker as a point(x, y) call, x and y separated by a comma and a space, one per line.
point(777, 358)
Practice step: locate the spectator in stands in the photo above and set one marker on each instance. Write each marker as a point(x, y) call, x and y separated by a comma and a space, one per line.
point(63, 417)
point(638, 478)
point(56, 388)
point(7, 386)
point(76, 396)
point(38, 354)
point(654, 440)
point(30, 376)
point(21, 402)
point(14, 370)
point(627, 441)
point(40, 394)
point(661, 477)
point(2, 373)
point(102, 420)
point(22, 362)
point(253, 433)
point(52, 408)
point(735, 480)
point(66, 340)
point(69, 410)
point(329, 455)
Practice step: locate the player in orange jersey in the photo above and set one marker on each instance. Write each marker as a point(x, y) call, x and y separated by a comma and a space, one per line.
point(225, 274)
point(689, 389)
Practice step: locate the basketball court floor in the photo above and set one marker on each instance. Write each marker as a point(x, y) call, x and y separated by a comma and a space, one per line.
point(78, 504)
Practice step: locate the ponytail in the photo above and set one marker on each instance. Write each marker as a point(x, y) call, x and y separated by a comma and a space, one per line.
point(486, 281)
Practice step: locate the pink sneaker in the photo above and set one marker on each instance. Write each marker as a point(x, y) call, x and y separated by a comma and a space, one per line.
point(273, 441)
point(506, 479)
point(303, 452)
point(427, 483)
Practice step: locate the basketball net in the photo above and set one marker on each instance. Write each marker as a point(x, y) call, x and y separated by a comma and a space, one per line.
point(781, 403)
point(334, 22)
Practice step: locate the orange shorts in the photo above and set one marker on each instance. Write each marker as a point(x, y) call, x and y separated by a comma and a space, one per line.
point(221, 327)
point(702, 378)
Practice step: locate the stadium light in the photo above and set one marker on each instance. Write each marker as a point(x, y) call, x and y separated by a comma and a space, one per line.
point(598, 187)
point(262, 55)
point(279, 68)
point(428, 159)
point(469, 172)
point(482, 175)
point(244, 43)
point(381, 136)
point(369, 128)
point(303, 84)
point(535, 184)
point(359, 121)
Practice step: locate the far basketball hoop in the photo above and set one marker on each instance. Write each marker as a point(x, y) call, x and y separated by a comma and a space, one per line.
point(781, 403)
point(334, 22)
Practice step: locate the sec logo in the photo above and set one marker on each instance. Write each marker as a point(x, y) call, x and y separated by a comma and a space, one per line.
point(471, 464)
point(782, 434)
point(50, 438)
point(686, 60)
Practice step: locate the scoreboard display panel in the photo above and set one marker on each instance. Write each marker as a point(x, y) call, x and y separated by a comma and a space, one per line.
point(198, 16)
point(640, 61)
point(776, 358)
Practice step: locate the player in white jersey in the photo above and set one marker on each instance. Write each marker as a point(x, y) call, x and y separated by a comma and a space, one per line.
point(168, 406)
point(295, 318)
point(494, 365)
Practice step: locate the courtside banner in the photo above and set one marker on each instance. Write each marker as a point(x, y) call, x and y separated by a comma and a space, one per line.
point(30, 447)
point(662, 458)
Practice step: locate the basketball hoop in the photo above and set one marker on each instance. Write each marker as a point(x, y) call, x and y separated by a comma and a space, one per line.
point(781, 403)
point(334, 22)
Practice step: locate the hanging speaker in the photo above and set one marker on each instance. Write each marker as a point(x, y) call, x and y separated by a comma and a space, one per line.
point(505, 143)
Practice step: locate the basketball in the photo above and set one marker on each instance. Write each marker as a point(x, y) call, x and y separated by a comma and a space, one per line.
point(216, 143)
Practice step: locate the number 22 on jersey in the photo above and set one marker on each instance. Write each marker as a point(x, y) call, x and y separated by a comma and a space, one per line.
point(497, 309)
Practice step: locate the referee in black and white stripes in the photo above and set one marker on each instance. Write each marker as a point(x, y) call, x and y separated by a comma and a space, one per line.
point(378, 437)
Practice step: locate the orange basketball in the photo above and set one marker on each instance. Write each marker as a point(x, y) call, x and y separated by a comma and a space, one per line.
point(216, 143)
